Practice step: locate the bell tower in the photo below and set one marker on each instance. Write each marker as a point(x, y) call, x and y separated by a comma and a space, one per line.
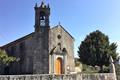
point(41, 39)
point(42, 14)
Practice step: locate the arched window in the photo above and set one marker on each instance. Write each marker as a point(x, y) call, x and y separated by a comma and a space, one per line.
point(59, 44)
point(42, 19)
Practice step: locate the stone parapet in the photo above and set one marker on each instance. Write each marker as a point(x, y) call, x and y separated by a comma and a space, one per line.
point(95, 76)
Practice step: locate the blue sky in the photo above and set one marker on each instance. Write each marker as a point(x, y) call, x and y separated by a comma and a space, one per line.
point(78, 17)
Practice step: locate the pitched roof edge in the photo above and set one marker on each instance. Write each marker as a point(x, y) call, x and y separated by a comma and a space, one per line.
point(64, 30)
point(17, 40)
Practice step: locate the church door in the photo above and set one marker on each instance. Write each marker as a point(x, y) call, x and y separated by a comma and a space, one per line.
point(58, 66)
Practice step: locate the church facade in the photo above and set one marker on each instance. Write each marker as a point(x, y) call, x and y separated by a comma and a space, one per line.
point(44, 51)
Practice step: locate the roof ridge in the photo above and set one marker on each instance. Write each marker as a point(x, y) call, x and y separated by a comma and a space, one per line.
point(63, 29)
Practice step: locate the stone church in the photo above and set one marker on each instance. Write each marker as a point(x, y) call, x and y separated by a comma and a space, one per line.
point(44, 51)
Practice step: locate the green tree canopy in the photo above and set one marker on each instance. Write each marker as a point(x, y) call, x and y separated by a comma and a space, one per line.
point(5, 59)
point(96, 49)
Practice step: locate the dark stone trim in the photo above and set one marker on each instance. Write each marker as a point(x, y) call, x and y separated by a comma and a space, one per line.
point(17, 41)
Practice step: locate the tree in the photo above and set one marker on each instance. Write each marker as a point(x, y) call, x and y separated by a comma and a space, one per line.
point(96, 49)
point(77, 62)
point(5, 59)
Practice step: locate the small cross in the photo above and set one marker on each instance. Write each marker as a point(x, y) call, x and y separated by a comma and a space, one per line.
point(59, 23)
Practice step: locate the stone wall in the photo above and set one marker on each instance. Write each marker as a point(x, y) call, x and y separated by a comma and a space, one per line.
point(108, 76)
point(21, 49)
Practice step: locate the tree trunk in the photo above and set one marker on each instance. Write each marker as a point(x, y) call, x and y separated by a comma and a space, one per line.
point(101, 69)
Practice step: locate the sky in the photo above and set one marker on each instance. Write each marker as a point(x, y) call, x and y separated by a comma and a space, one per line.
point(78, 17)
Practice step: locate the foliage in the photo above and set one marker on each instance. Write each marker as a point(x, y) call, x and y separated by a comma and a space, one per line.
point(77, 62)
point(105, 70)
point(94, 69)
point(89, 69)
point(96, 49)
point(5, 59)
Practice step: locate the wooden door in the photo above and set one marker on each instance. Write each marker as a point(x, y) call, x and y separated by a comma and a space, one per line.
point(58, 66)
